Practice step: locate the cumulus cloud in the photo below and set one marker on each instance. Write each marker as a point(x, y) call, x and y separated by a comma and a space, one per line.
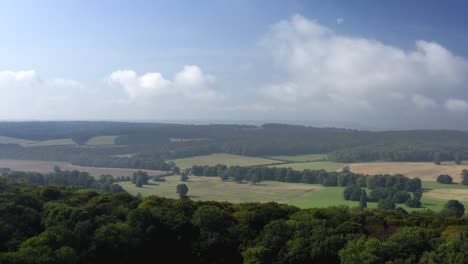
point(191, 82)
point(456, 105)
point(19, 78)
point(318, 66)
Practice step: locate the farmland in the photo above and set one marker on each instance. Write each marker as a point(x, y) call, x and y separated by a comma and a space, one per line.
point(221, 158)
point(32, 143)
point(48, 166)
point(426, 171)
point(315, 165)
point(301, 158)
point(102, 141)
point(213, 188)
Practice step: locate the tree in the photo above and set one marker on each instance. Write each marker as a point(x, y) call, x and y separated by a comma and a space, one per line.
point(401, 197)
point(363, 200)
point(445, 179)
point(352, 192)
point(184, 177)
point(413, 203)
point(436, 158)
point(464, 177)
point(256, 178)
point(182, 190)
point(454, 207)
point(386, 204)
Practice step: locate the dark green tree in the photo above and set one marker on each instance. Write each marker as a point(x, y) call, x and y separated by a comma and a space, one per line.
point(445, 179)
point(464, 177)
point(436, 158)
point(386, 204)
point(184, 177)
point(413, 203)
point(457, 158)
point(182, 190)
point(454, 207)
point(363, 199)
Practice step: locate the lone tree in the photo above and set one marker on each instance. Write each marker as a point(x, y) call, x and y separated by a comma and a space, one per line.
point(256, 178)
point(182, 190)
point(464, 177)
point(140, 178)
point(363, 200)
point(413, 203)
point(454, 207)
point(446, 179)
point(436, 158)
point(184, 177)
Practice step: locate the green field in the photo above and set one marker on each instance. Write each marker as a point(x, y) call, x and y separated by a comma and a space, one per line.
point(19, 141)
point(221, 158)
point(213, 188)
point(301, 158)
point(52, 142)
point(32, 143)
point(316, 165)
point(102, 141)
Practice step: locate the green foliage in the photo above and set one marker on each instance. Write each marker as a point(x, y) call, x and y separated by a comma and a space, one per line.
point(464, 177)
point(413, 203)
point(363, 199)
point(182, 190)
point(453, 207)
point(446, 179)
point(386, 204)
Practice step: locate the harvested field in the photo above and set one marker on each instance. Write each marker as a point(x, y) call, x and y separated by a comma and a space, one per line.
point(426, 171)
point(102, 141)
point(449, 194)
point(213, 188)
point(48, 166)
point(221, 158)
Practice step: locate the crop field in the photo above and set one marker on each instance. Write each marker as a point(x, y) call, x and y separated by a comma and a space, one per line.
point(221, 158)
point(32, 143)
point(213, 188)
point(315, 165)
point(426, 171)
point(102, 141)
point(48, 166)
point(301, 158)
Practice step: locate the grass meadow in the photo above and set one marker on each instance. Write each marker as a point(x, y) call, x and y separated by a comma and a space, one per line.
point(222, 158)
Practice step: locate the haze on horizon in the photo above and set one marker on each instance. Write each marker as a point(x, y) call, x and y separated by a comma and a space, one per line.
point(361, 64)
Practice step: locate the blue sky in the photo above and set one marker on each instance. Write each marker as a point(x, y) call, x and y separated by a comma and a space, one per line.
point(299, 61)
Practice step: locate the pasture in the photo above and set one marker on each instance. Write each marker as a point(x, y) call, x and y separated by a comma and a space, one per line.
point(213, 188)
point(426, 171)
point(222, 158)
point(315, 165)
point(48, 166)
point(101, 141)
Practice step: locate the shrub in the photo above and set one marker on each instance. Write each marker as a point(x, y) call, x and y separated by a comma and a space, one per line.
point(413, 203)
point(446, 179)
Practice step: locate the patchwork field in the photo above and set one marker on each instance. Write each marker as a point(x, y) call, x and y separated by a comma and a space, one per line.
point(316, 165)
point(48, 166)
point(221, 158)
point(102, 141)
point(302, 158)
point(213, 188)
point(32, 143)
point(426, 171)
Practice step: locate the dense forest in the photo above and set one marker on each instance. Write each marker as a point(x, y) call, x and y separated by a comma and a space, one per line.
point(53, 224)
point(151, 143)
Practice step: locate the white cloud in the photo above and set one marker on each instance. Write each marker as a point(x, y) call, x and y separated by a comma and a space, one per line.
point(190, 82)
point(19, 78)
point(423, 102)
point(456, 105)
point(64, 83)
point(349, 73)
point(339, 20)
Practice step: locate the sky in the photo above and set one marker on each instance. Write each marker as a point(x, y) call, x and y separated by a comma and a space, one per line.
point(359, 64)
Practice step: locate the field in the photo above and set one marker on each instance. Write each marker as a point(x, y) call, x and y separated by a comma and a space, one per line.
point(213, 188)
point(426, 171)
point(102, 141)
point(316, 165)
point(48, 166)
point(301, 158)
point(221, 158)
point(32, 143)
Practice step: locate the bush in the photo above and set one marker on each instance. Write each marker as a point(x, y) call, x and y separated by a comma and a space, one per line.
point(401, 197)
point(413, 203)
point(352, 192)
point(446, 179)
point(453, 207)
